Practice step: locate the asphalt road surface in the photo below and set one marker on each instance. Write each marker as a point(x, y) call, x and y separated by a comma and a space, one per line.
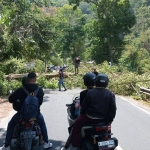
point(131, 125)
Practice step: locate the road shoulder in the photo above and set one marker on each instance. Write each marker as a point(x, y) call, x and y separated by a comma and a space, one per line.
point(139, 103)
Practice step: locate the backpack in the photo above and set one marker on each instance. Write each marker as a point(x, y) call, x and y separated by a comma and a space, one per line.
point(30, 108)
point(61, 74)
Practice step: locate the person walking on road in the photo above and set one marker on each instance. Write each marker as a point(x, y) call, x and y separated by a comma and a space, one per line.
point(61, 80)
point(76, 64)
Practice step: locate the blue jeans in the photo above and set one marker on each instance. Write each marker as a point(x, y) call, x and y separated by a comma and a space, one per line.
point(13, 122)
point(61, 82)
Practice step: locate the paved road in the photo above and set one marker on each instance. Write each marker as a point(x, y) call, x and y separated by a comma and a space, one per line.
point(131, 125)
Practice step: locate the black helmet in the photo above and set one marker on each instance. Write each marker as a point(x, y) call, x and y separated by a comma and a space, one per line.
point(24, 80)
point(89, 79)
point(101, 80)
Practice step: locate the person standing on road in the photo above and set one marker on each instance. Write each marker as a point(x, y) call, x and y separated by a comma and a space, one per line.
point(95, 71)
point(61, 80)
point(77, 64)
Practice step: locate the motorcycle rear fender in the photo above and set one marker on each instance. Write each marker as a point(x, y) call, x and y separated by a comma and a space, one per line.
point(70, 121)
point(84, 128)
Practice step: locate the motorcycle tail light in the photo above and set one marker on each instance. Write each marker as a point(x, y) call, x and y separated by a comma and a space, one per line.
point(27, 125)
point(106, 138)
point(101, 128)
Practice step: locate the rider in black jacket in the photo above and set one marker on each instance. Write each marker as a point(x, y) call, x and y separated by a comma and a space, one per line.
point(17, 98)
point(98, 106)
point(89, 83)
point(20, 95)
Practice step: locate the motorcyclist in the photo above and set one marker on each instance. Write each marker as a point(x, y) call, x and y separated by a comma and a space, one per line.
point(20, 95)
point(24, 80)
point(89, 83)
point(17, 104)
point(88, 79)
point(98, 106)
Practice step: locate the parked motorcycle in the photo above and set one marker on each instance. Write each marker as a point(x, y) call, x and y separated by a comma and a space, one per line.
point(95, 136)
point(52, 68)
point(26, 135)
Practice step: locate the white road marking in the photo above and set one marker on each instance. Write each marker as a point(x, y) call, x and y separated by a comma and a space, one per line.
point(118, 148)
point(135, 105)
point(2, 131)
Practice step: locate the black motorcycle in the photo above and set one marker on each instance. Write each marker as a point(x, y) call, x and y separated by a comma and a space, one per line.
point(94, 136)
point(26, 135)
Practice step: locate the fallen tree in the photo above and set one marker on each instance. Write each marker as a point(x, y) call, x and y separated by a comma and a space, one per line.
point(48, 76)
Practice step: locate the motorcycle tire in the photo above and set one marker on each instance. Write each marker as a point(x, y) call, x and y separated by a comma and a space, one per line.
point(84, 147)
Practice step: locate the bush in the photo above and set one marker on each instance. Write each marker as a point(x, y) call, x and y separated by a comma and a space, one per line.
point(39, 66)
point(15, 66)
point(14, 84)
point(51, 85)
point(4, 88)
point(3, 85)
point(41, 81)
point(44, 83)
point(18, 66)
point(122, 82)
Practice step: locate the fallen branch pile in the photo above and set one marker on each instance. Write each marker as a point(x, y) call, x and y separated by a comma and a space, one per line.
point(48, 76)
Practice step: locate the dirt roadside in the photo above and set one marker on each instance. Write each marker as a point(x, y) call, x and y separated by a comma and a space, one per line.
point(5, 108)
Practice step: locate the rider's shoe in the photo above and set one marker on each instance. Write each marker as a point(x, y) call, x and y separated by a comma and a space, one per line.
point(63, 148)
point(4, 148)
point(47, 145)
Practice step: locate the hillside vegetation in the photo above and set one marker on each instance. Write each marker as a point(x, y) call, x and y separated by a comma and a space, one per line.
point(55, 32)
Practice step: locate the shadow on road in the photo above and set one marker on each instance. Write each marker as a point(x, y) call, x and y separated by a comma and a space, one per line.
point(2, 136)
point(56, 144)
point(45, 99)
point(50, 91)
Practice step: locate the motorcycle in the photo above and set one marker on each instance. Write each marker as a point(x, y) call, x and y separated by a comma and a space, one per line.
point(52, 68)
point(27, 135)
point(95, 136)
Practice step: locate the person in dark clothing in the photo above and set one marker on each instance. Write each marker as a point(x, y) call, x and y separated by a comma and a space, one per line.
point(76, 64)
point(95, 72)
point(98, 106)
point(18, 97)
point(88, 79)
point(61, 80)
point(89, 83)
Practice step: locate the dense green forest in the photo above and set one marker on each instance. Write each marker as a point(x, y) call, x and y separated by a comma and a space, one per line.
point(56, 31)
point(113, 30)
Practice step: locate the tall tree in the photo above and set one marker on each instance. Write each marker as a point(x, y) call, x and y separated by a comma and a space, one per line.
point(113, 20)
point(70, 30)
point(28, 30)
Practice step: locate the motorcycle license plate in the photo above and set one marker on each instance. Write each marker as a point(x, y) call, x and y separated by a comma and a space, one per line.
point(106, 144)
point(27, 134)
